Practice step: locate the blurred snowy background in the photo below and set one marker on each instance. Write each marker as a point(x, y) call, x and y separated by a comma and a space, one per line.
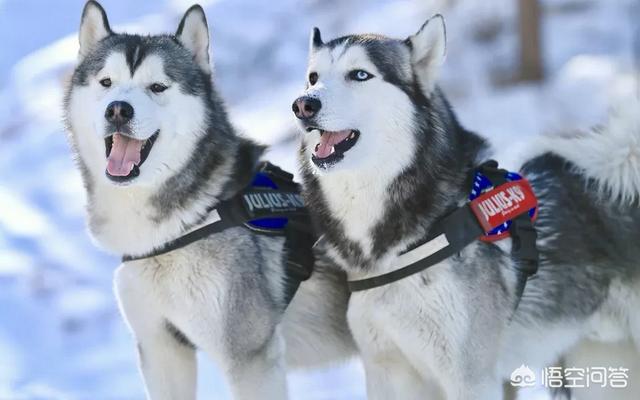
point(60, 333)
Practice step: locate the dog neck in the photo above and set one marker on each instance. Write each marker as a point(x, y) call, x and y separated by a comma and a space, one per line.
point(369, 215)
point(136, 220)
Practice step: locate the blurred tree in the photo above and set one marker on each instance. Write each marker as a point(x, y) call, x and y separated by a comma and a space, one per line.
point(531, 64)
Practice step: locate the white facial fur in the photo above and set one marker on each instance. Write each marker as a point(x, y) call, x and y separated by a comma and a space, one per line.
point(379, 110)
point(178, 117)
point(383, 114)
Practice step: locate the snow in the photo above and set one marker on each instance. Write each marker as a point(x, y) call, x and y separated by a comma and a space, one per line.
point(60, 332)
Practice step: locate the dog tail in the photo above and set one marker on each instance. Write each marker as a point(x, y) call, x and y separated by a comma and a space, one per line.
point(608, 154)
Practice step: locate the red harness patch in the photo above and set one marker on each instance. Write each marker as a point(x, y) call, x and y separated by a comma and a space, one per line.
point(501, 204)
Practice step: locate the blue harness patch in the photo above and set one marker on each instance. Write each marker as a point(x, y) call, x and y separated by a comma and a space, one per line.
point(262, 180)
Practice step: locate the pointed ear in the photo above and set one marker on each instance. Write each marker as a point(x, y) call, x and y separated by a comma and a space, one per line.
point(315, 40)
point(193, 33)
point(94, 26)
point(428, 49)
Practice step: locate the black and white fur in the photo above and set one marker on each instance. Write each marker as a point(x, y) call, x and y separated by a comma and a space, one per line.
point(445, 332)
point(223, 294)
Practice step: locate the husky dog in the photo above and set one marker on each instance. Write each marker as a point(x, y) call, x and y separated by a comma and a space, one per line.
point(383, 157)
point(157, 152)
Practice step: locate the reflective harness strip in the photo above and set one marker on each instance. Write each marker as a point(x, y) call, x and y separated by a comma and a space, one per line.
point(508, 203)
point(283, 206)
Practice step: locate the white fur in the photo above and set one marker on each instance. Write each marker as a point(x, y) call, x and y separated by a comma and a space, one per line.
point(193, 296)
point(609, 154)
point(413, 341)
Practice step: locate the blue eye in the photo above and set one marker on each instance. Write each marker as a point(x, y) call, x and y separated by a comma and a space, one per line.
point(359, 75)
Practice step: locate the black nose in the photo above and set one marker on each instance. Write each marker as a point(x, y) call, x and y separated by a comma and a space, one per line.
point(306, 107)
point(119, 112)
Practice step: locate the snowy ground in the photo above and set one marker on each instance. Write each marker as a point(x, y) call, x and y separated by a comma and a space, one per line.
point(60, 334)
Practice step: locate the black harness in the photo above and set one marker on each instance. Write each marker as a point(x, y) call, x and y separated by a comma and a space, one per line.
point(455, 231)
point(271, 206)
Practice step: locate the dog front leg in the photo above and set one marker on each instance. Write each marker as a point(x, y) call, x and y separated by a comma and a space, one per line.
point(166, 359)
point(260, 373)
point(476, 387)
point(168, 366)
point(387, 380)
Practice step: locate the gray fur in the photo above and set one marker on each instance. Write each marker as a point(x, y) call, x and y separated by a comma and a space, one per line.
point(584, 240)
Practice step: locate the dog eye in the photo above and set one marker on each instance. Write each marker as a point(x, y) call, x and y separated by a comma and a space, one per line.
point(313, 78)
point(157, 87)
point(106, 82)
point(359, 75)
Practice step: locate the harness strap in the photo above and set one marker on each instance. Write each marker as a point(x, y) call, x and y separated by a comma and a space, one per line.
point(213, 224)
point(448, 236)
point(454, 232)
point(251, 206)
point(299, 261)
point(524, 252)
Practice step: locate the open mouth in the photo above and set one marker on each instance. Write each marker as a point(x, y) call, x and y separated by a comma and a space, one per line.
point(125, 155)
point(332, 146)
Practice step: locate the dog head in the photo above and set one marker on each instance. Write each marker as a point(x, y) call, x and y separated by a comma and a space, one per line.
point(363, 95)
point(134, 100)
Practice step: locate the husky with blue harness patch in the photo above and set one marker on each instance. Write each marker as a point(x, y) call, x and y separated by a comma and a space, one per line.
point(462, 272)
point(215, 243)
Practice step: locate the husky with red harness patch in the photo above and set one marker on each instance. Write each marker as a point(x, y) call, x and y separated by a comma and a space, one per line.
point(461, 272)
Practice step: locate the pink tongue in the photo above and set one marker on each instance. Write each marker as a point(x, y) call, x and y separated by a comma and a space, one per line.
point(125, 153)
point(328, 140)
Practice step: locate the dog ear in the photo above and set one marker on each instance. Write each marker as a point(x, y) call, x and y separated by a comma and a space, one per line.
point(315, 40)
point(94, 26)
point(193, 33)
point(428, 50)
